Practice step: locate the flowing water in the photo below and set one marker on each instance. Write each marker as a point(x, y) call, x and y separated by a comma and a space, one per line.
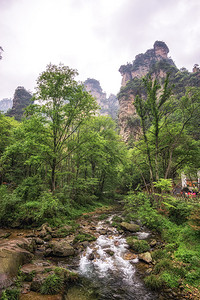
point(105, 264)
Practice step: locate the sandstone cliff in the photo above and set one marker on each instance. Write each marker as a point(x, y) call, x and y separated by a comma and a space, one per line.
point(156, 63)
point(22, 98)
point(108, 106)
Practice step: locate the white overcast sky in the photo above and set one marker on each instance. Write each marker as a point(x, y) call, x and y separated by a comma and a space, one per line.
point(93, 36)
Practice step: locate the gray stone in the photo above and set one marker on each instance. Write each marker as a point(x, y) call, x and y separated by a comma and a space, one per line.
point(61, 248)
point(130, 227)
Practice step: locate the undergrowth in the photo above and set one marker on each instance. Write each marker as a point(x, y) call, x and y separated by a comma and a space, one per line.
point(178, 263)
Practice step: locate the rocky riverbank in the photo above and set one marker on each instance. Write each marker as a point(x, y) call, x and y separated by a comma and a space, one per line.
point(43, 261)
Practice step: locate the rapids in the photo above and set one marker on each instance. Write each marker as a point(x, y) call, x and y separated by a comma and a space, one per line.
point(105, 264)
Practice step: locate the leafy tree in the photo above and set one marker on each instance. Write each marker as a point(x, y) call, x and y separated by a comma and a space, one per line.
point(65, 105)
point(167, 127)
point(151, 111)
point(7, 126)
point(99, 154)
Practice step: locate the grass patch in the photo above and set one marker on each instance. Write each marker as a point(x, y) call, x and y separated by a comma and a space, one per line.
point(154, 282)
point(81, 237)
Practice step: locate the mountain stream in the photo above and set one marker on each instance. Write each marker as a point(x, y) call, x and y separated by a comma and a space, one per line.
point(109, 269)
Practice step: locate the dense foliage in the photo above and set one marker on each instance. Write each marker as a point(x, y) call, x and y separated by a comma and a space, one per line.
point(60, 156)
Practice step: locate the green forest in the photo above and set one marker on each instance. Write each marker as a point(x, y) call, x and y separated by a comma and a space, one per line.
point(63, 159)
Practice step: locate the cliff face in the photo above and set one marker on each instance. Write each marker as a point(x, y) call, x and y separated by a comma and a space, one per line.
point(108, 106)
point(156, 63)
point(22, 98)
point(144, 62)
point(5, 105)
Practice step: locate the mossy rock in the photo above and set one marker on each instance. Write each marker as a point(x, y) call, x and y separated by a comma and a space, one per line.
point(82, 237)
point(130, 227)
point(139, 246)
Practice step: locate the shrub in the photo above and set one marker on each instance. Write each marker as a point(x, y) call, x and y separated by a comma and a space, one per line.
point(162, 265)
point(10, 207)
point(159, 254)
point(10, 294)
point(133, 201)
point(52, 285)
point(179, 212)
point(30, 189)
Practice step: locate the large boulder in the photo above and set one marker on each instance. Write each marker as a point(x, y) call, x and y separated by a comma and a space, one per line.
point(130, 227)
point(61, 248)
point(12, 256)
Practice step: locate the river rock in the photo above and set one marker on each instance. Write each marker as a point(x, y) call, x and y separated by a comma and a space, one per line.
point(91, 256)
point(130, 227)
point(61, 248)
point(130, 256)
point(29, 271)
point(12, 257)
point(85, 244)
point(146, 257)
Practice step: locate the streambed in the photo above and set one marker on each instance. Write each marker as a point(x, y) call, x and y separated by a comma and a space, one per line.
point(109, 269)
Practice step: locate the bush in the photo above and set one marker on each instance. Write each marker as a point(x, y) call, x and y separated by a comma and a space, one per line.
point(133, 201)
point(30, 189)
point(10, 207)
point(52, 285)
point(160, 254)
point(162, 265)
point(179, 212)
point(10, 294)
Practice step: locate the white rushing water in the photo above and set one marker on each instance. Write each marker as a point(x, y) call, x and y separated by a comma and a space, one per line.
point(108, 256)
point(106, 262)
